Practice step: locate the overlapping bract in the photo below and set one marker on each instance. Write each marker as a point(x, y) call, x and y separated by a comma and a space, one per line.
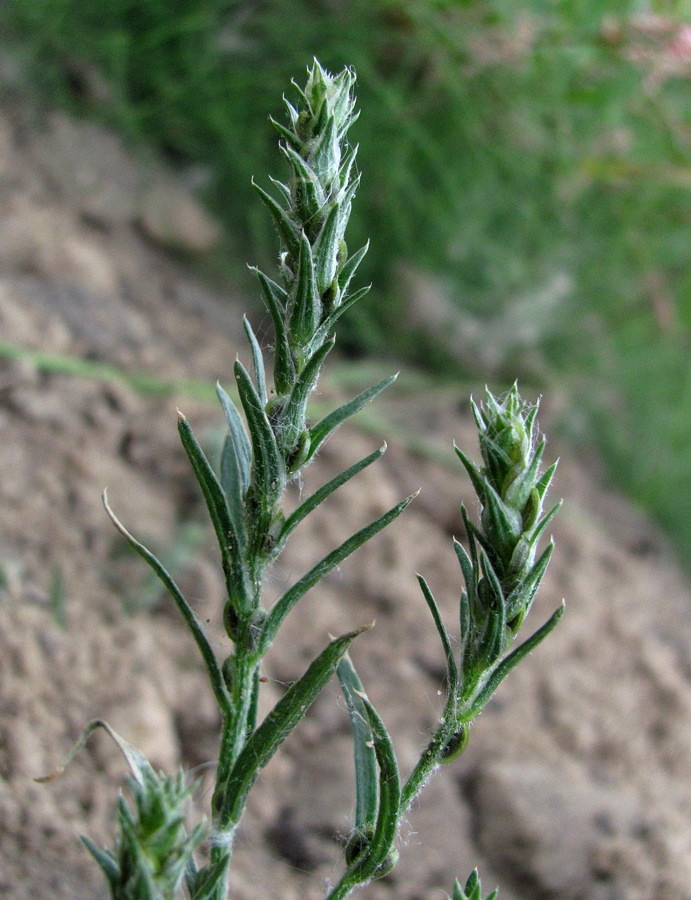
point(499, 568)
point(500, 571)
point(269, 445)
point(472, 889)
point(311, 217)
point(154, 851)
point(311, 212)
point(511, 489)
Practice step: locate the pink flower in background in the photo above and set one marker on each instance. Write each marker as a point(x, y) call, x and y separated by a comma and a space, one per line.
point(662, 45)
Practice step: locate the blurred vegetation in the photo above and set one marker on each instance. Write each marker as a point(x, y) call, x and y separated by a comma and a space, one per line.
point(527, 178)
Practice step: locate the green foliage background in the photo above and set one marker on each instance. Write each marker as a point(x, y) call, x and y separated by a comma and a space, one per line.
point(507, 146)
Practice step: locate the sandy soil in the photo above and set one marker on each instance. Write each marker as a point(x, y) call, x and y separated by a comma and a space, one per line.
point(577, 779)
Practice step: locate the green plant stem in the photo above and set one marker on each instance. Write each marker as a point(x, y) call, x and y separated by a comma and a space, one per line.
point(233, 738)
point(426, 765)
point(234, 732)
point(342, 889)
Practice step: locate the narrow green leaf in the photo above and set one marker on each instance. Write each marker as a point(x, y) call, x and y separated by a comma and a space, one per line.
point(215, 677)
point(318, 95)
point(276, 299)
point(495, 458)
point(465, 564)
point(473, 886)
point(492, 642)
point(472, 890)
point(329, 322)
point(257, 360)
point(325, 157)
point(546, 479)
point(464, 616)
point(344, 103)
point(451, 668)
point(379, 853)
point(509, 662)
point(217, 505)
point(306, 309)
point(475, 537)
point(347, 166)
point(309, 195)
point(347, 195)
point(492, 578)
point(326, 249)
point(232, 481)
point(519, 490)
point(495, 407)
point(326, 426)
point(286, 133)
point(473, 473)
point(544, 522)
point(268, 476)
point(299, 91)
point(389, 794)
point(284, 605)
point(208, 880)
point(521, 598)
point(478, 415)
point(292, 112)
point(283, 188)
point(274, 294)
point(295, 411)
point(322, 493)
point(366, 774)
point(350, 268)
point(241, 443)
point(106, 861)
point(287, 229)
point(506, 522)
point(532, 414)
point(279, 723)
point(236, 461)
